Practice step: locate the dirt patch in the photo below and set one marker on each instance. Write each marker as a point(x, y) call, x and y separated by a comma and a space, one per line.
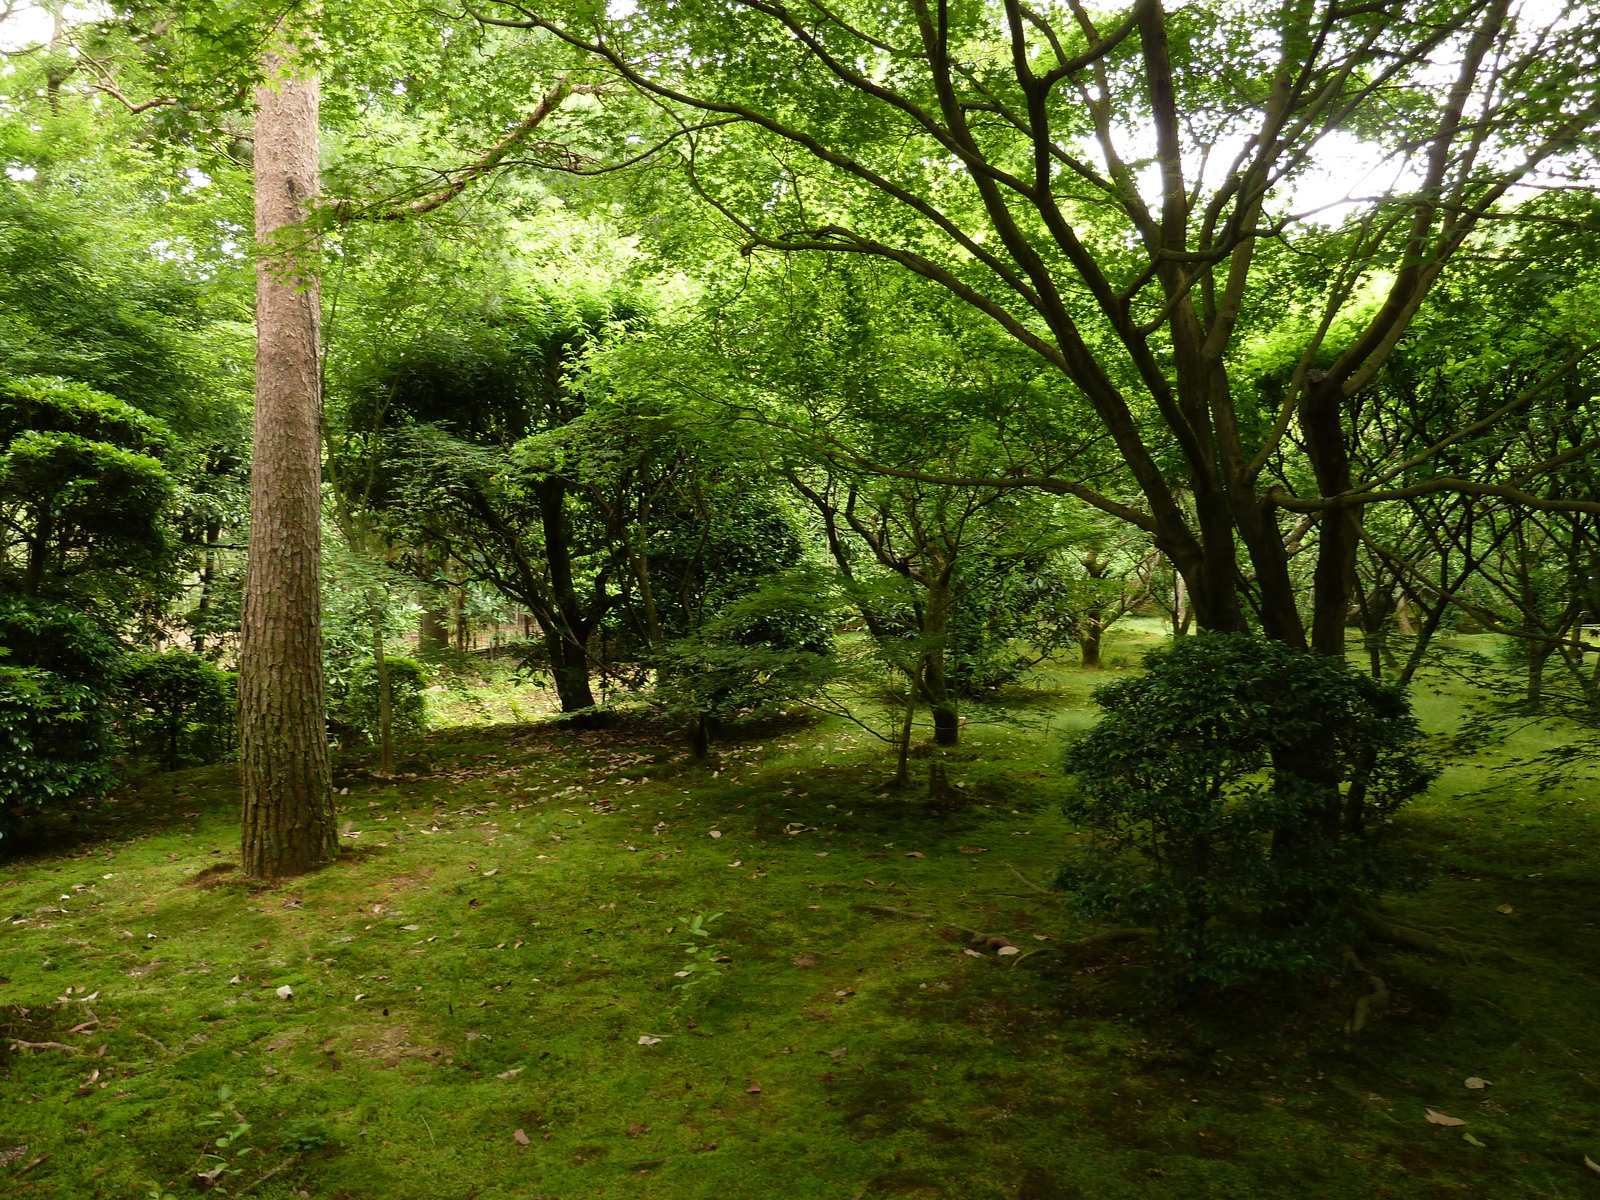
point(389, 1044)
point(212, 875)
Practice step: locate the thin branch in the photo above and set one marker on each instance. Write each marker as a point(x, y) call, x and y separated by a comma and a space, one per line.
point(349, 210)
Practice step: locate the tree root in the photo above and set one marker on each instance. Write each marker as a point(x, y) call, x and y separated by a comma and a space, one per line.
point(286, 1163)
point(1378, 998)
point(1043, 891)
point(1109, 935)
point(890, 911)
point(19, 1044)
point(158, 1045)
point(1379, 929)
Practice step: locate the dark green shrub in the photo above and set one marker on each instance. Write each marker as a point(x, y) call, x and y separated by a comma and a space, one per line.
point(176, 709)
point(56, 676)
point(1235, 797)
point(356, 714)
point(84, 494)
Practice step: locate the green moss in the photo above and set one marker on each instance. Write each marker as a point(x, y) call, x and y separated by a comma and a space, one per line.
point(548, 876)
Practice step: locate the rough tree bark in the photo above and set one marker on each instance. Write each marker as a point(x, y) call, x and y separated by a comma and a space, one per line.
point(288, 820)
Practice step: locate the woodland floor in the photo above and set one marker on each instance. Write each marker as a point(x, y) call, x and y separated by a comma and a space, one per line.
point(469, 986)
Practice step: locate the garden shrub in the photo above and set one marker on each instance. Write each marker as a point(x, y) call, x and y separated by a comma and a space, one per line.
point(356, 714)
point(1236, 796)
point(757, 654)
point(177, 709)
point(57, 668)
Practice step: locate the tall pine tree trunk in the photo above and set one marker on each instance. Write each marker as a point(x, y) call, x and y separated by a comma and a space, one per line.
point(288, 819)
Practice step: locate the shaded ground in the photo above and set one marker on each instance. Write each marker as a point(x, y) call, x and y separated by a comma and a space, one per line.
point(470, 984)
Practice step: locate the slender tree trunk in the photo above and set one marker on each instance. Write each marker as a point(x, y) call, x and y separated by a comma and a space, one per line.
point(288, 820)
point(1182, 614)
point(208, 576)
point(380, 669)
point(1090, 632)
point(1402, 614)
point(569, 669)
point(39, 550)
point(569, 652)
point(935, 633)
point(432, 633)
point(1538, 656)
point(902, 766)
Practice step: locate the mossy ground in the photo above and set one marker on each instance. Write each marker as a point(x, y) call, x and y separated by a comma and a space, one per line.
point(502, 929)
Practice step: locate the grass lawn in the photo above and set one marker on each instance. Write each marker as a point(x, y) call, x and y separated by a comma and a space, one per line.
point(478, 999)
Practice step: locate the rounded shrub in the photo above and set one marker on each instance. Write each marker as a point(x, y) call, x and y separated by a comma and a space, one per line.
point(408, 709)
point(176, 708)
point(1235, 797)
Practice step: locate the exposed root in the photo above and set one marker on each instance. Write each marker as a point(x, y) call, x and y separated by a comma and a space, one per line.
point(889, 911)
point(19, 1044)
point(1381, 930)
point(1377, 998)
point(284, 1165)
point(1044, 891)
point(161, 1046)
point(1109, 935)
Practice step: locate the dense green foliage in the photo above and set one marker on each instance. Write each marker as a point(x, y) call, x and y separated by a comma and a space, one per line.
point(354, 709)
point(176, 708)
point(83, 494)
point(755, 654)
point(57, 673)
point(1237, 795)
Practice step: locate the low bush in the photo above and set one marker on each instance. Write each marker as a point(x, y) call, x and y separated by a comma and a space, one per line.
point(176, 709)
point(57, 669)
point(1235, 797)
point(356, 712)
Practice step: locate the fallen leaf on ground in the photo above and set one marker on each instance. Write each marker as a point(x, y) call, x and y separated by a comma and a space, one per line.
point(754, 1087)
point(845, 992)
point(1505, 908)
point(1476, 1084)
point(974, 953)
point(1041, 937)
point(646, 1040)
point(1439, 1118)
point(511, 1074)
point(839, 1053)
point(285, 992)
point(1471, 1141)
point(411, 928)
point(521, 1138)
point(914, 854)
point(973, 849)
point(1008, 950)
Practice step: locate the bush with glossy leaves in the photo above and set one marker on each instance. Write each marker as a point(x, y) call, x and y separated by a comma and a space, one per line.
point(1237, 797)
point(57, 670)
point(176, 709)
